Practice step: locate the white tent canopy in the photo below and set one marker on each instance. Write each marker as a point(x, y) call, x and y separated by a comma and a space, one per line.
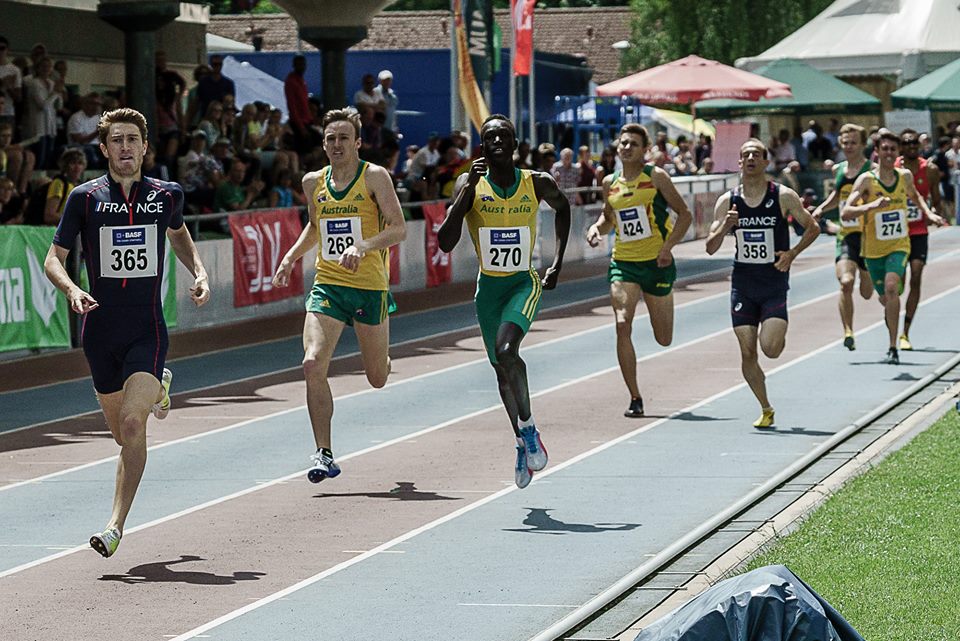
point(905, 38)
point(219, 44)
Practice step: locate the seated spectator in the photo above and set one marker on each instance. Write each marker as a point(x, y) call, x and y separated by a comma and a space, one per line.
point(447, 173)
point(283, 193)
point(782, 152)
point(370, 139)
point(11, 84)
point(426, 158)
point(193, 114)
point(547, 156)
point(276, 141)
point(151, 168)
point(11, 203)
point(366, 96)
point(82, 129)
point(567, 174)
point(706, 167)
point(684, 162)
point(210, 123)
point(608, 163)
point(588, 175)
point(223, 153)
point(231, 195)
point(403, 168)
point(19, 162)
point(521, 158)
point(43, 96)
point(704, 149)
point(200, 173)
point(48, 200)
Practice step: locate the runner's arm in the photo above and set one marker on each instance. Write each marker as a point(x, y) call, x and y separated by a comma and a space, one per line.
point(724, 220)
point(381, 187)
point(605, 222)
point(861, 192)
point(661, 180)
point(54, 266)
point(308, 237)
point(933, 179)
point(547, 190)
point(791, 205)
point(463, 192)
point(832, 200)
point(186, 251)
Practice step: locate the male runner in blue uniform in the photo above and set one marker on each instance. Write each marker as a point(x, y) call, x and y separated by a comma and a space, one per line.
point(756, 212)
point(122, 221)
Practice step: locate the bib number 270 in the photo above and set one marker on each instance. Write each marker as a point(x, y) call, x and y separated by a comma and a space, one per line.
point(506, 256)
point(129, 259)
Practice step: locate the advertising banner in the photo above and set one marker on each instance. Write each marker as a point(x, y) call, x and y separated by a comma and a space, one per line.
point(260, 239)
point(439, 267)
point(33, 314)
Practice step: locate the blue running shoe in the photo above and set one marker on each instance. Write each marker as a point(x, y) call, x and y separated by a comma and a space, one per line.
point(521, 473)
point(324, 467)
point(536, 452)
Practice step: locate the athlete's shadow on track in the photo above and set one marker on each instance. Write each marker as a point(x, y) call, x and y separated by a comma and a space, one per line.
point(160, 572)
point(542, 523)
point(405, 491)
point(690, 416)
point(792, 431)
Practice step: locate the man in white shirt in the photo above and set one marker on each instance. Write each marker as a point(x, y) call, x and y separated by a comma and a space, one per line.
point(426, 157)
point(11, 82)
point(82, 129)
point(367, 95)
point(385, 94)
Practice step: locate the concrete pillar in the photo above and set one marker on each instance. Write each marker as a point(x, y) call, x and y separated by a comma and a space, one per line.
point(139, 21)
point(333, 43)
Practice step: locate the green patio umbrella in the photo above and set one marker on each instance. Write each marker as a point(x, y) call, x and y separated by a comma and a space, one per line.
point(937, 91)
point(814, 92)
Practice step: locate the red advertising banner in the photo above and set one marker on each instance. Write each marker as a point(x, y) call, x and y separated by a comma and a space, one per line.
point(522, 16)
point(439, 267)
point(395, 264)
point(260, 239)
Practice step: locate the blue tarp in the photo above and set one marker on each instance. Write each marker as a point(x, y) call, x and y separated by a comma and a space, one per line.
point(767, 604)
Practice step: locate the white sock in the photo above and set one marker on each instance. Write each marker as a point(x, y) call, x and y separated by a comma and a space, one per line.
point(525, 423)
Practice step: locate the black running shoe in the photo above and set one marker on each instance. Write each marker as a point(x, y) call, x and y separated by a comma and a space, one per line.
point(636, 409)
point(849, 343)
point(892, 357)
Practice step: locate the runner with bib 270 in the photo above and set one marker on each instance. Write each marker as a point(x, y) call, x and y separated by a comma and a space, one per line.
point(500, 204)
point(885, 194)
point(756, 212)
point(635, 203)
point(849, 261)
point(355, 217)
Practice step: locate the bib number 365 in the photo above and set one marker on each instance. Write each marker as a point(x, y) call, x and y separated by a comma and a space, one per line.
point(128, 251)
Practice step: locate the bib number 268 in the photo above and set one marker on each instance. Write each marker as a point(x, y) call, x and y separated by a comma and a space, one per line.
point(336, 245)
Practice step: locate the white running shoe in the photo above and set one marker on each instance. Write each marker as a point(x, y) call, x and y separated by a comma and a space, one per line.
point(106, 542)
point(161, 409)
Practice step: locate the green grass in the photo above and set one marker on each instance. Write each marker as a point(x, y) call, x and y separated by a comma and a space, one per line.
point(884, 550)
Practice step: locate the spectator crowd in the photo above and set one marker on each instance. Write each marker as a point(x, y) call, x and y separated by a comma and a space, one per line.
point(230, 156)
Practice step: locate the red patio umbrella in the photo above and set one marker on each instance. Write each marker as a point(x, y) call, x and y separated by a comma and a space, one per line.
point(693, 78)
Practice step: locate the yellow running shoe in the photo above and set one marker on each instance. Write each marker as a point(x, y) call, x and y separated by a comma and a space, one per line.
point(765, 420)
point(161, 409)
point(905, 343)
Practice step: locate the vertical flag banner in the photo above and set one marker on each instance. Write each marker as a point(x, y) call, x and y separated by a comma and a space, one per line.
point(439, 266)
point(260, 240)
point(469, 90)
point(478, 36)
point(33, 314)
point(522, 15)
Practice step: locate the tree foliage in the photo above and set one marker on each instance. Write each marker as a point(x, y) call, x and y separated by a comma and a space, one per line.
point(724, 30)
point(243, 6)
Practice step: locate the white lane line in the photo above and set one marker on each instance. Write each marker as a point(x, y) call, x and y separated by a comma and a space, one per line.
point(194, 633)
point(518, 605)
point(427, 430)
point(441, 372)
point(600, 298)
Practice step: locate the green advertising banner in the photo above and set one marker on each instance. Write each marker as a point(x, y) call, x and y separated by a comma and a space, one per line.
point(33, 314)
point(168, 286)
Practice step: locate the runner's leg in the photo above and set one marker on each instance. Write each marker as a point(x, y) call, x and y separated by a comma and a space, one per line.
point(624, 298)
point(374, 341)
point(846, 274)
point(126, 413)
point(320, 336)
point(660, 309)
point(749, 363)
point(512, 374)
point(891, 305)
point(913, 298)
